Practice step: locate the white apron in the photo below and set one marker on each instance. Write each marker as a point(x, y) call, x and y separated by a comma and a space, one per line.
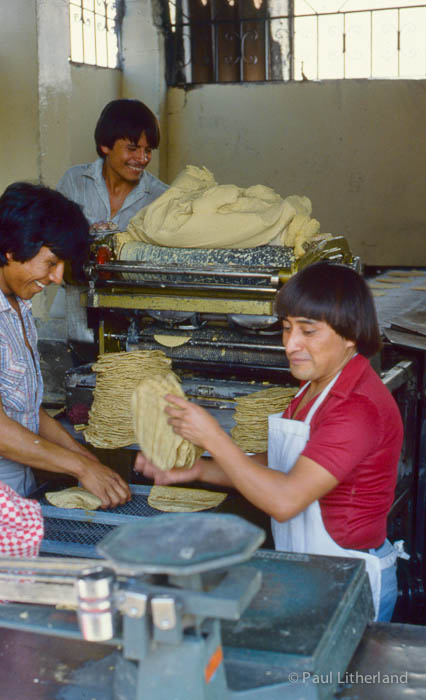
point(305, 532)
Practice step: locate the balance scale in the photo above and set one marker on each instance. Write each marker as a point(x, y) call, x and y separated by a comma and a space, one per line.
point(192, 611)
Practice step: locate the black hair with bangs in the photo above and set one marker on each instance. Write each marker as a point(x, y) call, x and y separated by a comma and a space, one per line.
point(33, 216)
point(126, 119)
point(337, 295)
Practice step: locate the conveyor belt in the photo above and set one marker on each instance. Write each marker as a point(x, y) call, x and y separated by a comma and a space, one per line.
point(265, 256)
point(76, 532)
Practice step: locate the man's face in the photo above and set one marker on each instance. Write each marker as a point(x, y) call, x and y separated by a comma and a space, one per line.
point(314, 350)
point(27, 278)
point(126, 161)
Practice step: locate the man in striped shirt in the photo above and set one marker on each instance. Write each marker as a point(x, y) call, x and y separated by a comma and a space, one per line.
point(39, 230)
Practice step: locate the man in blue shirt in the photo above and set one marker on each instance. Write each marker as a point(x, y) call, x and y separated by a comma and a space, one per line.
point(39, 230)
point(116, 186)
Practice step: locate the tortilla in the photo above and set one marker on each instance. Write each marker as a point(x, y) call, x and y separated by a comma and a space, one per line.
point(174, 499)
point(381, 284)
point(157, 439)
point(394, 279)
point(407, 273)
point(171, 341)
point(74, 497)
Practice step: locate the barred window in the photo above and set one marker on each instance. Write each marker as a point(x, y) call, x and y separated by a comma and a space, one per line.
point(95, 29)
point(215, 41)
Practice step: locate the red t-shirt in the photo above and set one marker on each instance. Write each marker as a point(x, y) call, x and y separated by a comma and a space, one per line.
point(356, 434)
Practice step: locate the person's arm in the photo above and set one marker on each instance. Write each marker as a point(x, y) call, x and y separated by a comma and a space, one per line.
point(52, 430)
point(206, 470)
point(22, 445)
point(280, 495)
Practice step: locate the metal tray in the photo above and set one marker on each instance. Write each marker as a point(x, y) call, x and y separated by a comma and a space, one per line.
point(76, 532)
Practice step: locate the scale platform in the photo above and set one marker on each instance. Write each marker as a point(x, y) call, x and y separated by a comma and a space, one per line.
point(305, 622)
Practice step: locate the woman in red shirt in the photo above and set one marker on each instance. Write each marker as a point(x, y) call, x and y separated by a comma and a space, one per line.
point(333, 456)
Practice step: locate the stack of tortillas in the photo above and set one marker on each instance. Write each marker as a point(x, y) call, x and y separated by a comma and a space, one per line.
point(157, 439)
point(251, 416)
point(110, 419)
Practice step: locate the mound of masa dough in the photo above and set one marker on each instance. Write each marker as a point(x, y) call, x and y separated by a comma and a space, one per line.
point(159, 443)
point(197, 212)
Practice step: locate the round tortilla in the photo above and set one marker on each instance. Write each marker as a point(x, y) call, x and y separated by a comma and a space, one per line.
point(173, 499)
point(74, 497)
point(156, 437)
point(171, 341)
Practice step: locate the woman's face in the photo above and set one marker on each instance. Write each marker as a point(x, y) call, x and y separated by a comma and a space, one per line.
point(314, 350)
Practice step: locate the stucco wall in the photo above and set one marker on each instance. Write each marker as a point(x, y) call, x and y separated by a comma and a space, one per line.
point(19, 143)
point(144, 68)
point(356, 148)
point(92, 89)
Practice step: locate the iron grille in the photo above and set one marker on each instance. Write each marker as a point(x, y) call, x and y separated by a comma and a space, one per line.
point(216, 41)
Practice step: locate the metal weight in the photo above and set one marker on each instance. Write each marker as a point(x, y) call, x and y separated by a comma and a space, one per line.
point(95, 592)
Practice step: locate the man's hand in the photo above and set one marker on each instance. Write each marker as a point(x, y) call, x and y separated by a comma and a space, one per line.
point(173, 476)
point(106, 484)
point(192, 422)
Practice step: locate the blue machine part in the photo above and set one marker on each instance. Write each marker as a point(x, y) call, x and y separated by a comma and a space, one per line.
point(76, 532)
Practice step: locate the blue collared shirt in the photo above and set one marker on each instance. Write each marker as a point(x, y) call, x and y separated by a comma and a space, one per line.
point(85, 185)
point(21, 384)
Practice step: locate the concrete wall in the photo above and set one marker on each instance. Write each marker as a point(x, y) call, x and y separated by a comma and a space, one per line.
point(49, 107)
point(92, 89)
point(144, 68)
point(19, 143)
point(357, 148)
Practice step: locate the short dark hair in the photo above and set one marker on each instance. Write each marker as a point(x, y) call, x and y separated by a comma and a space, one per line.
point(337, 295)
point(32, 216)
point(126, 119)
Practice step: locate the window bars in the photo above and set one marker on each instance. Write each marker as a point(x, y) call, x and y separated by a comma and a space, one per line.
point(214, 41)
point(95, 27)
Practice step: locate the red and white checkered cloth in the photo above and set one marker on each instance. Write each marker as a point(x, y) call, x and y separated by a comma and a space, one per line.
point(21, 524)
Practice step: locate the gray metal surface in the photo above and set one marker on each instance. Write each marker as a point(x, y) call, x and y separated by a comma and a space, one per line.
point(306, 620)
point(414, 320)
point(397, 300)
point(302, 596)
point(389, 664)
point(182, 544)
point(38, 667)
point(407, 340)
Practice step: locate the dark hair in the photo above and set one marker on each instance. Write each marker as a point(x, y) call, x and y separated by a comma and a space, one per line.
point(126, 119)
point(337, 295)
point(32, 216)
